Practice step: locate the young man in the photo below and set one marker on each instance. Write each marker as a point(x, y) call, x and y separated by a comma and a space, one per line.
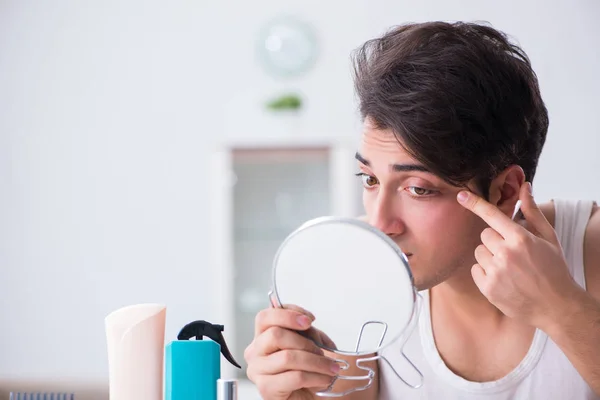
point(453, 128)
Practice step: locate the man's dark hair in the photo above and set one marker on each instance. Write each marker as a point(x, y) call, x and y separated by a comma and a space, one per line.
point(460, 97)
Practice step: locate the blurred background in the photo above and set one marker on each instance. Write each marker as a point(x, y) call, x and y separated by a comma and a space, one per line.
point(160, 151)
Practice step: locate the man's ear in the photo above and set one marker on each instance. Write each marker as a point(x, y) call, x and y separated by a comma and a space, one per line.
point(504, 189)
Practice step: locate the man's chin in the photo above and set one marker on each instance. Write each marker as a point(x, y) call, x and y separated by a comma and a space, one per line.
point(424, 283)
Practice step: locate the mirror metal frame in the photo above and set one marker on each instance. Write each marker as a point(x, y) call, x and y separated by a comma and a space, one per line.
point(402, 335)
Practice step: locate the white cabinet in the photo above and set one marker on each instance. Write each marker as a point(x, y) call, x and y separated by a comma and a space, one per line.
point(264, 192)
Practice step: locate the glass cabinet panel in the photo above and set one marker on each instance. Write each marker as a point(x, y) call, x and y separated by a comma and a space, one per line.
point(274, 192)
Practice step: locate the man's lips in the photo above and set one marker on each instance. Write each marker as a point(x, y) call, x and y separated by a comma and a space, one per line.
point(406, 253)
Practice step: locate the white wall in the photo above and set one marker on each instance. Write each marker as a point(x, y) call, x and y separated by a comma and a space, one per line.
point(108, 114)
point(108, 111)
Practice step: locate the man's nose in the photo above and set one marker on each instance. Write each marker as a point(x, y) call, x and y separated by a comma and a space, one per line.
point(385, 218)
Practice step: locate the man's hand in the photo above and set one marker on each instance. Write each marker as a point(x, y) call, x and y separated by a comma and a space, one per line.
point(283, 364)
point(523, 273)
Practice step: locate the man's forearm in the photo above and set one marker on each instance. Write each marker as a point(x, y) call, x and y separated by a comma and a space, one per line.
point(577, 333)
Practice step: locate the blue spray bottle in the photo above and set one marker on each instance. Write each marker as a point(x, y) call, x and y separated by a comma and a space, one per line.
point(193, 367)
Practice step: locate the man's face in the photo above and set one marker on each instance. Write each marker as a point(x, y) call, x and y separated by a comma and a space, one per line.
point(417, 209)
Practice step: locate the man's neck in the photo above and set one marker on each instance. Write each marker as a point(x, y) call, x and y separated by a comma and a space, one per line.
point(460, 296)
point(476, 341)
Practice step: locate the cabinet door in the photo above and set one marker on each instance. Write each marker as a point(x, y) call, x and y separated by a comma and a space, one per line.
point(275, 191)
point(265, 194)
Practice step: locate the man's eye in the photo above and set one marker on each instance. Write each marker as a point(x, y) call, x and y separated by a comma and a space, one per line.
point(418, 191)
point(367, 180)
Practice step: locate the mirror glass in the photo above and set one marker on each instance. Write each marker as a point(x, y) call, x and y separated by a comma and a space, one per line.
point(352, 277)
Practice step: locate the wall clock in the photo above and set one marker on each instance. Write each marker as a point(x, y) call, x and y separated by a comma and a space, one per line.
point(287, 47)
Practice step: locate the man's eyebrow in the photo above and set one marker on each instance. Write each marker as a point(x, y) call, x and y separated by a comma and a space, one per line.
point(361, 159)
point(410, 168)
point(397, 167)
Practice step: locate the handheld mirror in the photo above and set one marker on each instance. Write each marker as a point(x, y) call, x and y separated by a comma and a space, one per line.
point(357, 283)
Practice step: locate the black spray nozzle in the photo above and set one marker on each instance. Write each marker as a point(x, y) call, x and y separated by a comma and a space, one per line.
point(199, 329)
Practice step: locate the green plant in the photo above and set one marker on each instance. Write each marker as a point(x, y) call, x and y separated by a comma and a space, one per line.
point(285, 102)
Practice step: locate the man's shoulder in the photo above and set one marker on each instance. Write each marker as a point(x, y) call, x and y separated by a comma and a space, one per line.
point(591, 253)
point(591, 245)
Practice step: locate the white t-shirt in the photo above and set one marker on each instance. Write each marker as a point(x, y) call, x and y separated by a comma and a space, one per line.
point(545, 373)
